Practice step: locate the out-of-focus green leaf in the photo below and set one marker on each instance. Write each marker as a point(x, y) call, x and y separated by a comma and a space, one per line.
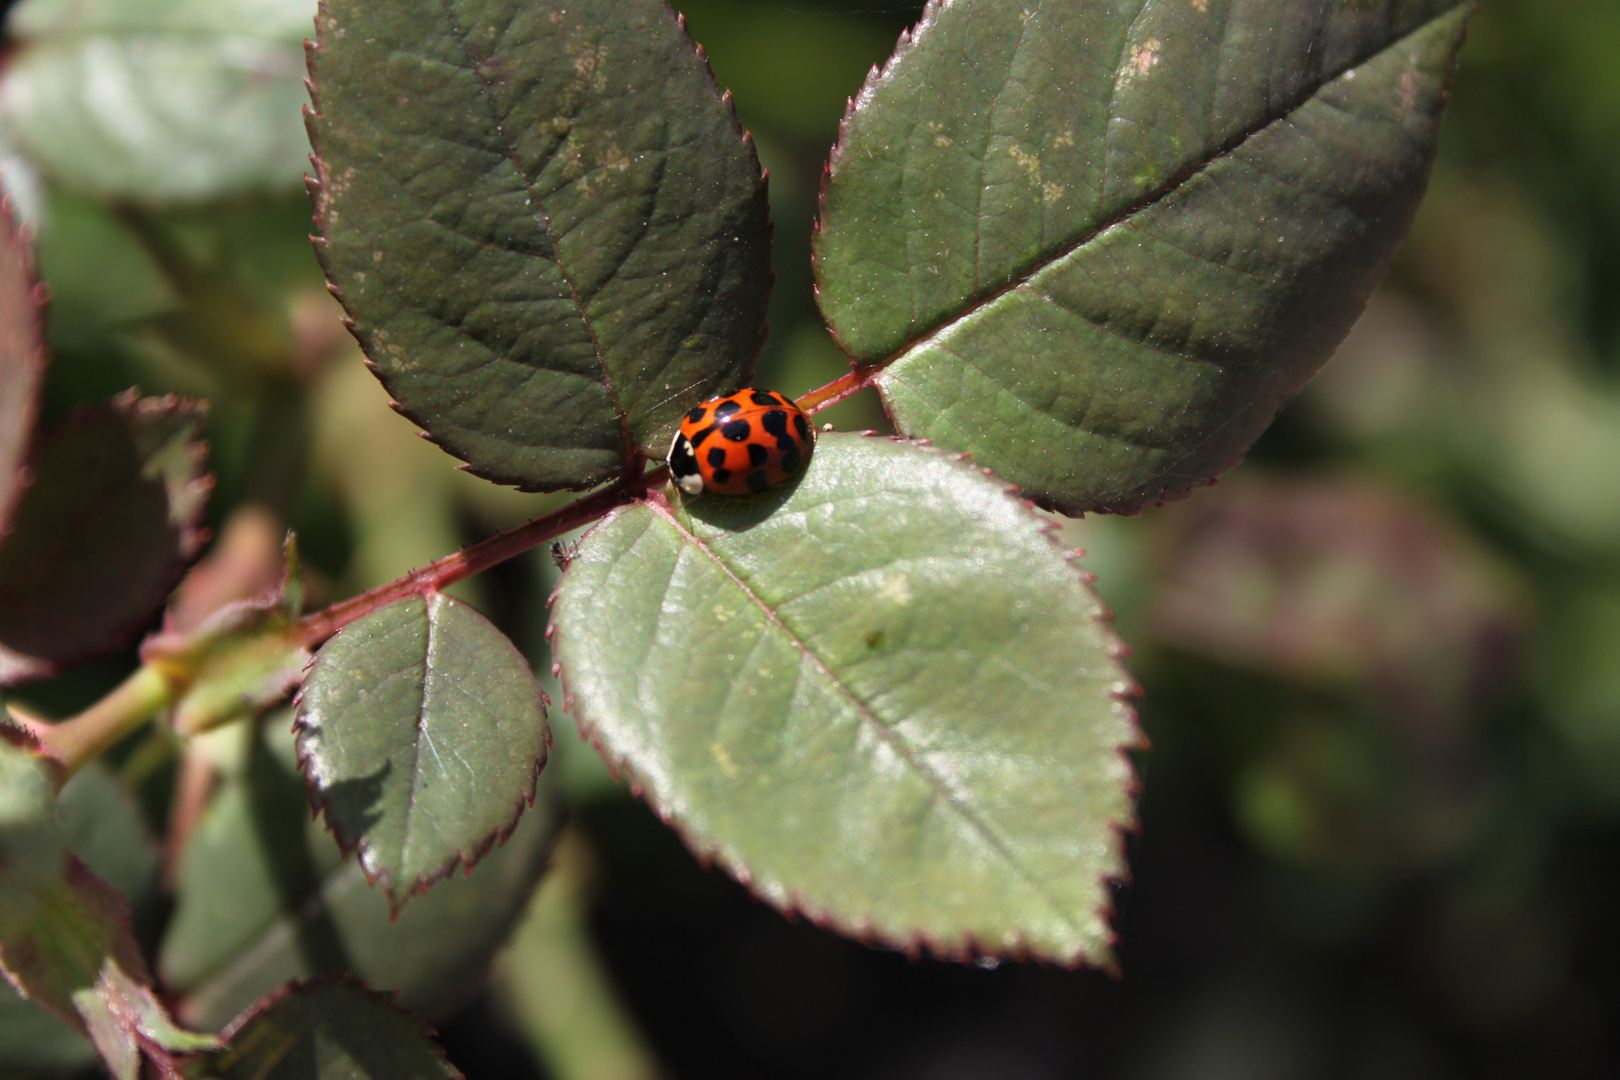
point(883, 697)
point(164, 102)
point(334, 1030)
point(1097, 244)
point(545, 221)
point(422, 730)
point(103, 827)
point(59, 923)
point(1338, 581)
point(105, 530)
point(264, 895)
point(22, 361)
point(244, 659)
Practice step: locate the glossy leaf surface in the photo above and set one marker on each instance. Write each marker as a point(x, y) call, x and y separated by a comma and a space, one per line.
point(422, 731)
point(545, 221)
point(108, 525)
point(1098, 244)
point(883, 697)
point(22, 361)
point(264, 896)
point(329, 1031)
point(196, 99)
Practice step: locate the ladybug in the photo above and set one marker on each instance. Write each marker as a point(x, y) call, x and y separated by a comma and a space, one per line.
point(740, 444)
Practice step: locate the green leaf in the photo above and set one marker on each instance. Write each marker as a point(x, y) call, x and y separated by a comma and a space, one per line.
point(333, 1030)
point(544, 220)
point(1098, 244)
point(197, 99)
point(110, 522)
point(883, 697)
point(59, 924)
point(103, 826)
point(22, 361)
point(422, 731)
point(264, 895)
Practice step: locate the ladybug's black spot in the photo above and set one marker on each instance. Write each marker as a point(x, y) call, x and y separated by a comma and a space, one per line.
point(775, 423)
point(695, 415)
point(756, 481)
point(697, 439)
point(717, 456)
point(725, 409)
point(757, 454)
point(790, 460)
point(681, 461)
point(803, 427)
point(737, 430)
point(764, 397)
point(721, 476)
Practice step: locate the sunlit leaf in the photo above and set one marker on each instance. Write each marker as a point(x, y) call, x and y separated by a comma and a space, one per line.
point(1098, 244)
point(422, 730)
point(884, 697)
point(264, 895)
point(22, 362)
point(336, 1030)
point(545, 221)
point(105, 530)
point(160, 101)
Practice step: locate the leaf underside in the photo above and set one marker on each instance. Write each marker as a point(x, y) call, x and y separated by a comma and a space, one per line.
point(882, 697)
point(329, 1030)
point(422, 731)
point(22, 362)
point(1098, 244)
point(548, 228)
point(97, 541)
point(160, 102)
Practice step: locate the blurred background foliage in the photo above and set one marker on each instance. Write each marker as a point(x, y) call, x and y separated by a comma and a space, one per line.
point(1381, 660)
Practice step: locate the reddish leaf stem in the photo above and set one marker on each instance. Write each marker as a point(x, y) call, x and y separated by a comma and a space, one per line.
point(858, 379)
point(316, 628)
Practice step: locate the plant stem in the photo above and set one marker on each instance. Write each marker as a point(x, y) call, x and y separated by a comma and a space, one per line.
point(436, 576)
point(316, 628)
point(858, 379)
point(73, 743)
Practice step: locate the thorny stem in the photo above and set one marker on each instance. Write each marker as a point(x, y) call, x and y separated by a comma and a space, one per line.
point(436, 576)
point(151, 689)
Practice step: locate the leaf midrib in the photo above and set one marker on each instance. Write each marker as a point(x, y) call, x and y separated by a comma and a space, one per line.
point(974, 305)
point(628, 445)
point(942, 790)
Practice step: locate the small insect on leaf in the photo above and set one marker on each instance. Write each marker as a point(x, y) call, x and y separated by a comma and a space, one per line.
point(740, 444)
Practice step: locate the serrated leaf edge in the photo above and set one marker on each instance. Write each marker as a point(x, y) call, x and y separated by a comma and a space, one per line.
point(294, 987)
point(1169, 492)
point(863, 928)
point(315, 186)
point(467, 858)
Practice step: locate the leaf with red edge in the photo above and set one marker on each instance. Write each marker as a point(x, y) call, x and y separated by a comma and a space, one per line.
point(548, 227)
point(1097, 244)
point(331, 1029)
point(22, 361)
point(882, 696)
point(111, 520)
point(422, 731)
